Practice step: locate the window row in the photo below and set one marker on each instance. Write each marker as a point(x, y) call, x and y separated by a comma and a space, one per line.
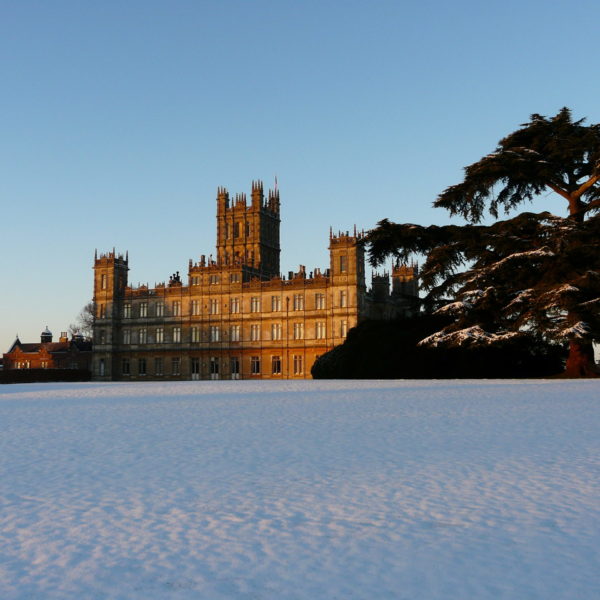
point(174, 365)
point(215, 333)
point(295, 303)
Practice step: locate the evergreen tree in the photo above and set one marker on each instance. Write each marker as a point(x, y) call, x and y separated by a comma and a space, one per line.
point(535, 274)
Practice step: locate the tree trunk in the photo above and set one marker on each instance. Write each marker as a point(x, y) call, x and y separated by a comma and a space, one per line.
point(580, 362)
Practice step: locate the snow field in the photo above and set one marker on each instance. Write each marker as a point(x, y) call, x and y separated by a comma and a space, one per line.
point(300, 490)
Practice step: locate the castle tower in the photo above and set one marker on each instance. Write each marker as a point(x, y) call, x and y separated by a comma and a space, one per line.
point(249, 235)
point(405, 280)
point(110, 281)
point(347, 259)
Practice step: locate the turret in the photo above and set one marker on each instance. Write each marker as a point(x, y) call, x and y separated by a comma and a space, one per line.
point(46, 336)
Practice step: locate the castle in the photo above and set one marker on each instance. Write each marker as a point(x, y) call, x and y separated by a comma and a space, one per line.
point(236, 316)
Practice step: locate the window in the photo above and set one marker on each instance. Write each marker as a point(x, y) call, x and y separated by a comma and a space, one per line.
point(101, 311)
point(234, 278)
point(160, 335)
point(275, 303)
point(298, 331)
point(213, 279)
point(195, 280)
point(276, 331)
point(195, 307)
point(298, 302)
point(236, 230)
point(101, 367)
point(177, 334)
point(195, 334)
point(127, 310)
point(215, 333)
point(158, 366)
point(319, 301)
point(234, 305)
point(175, 366)
point(195, 364)
point(103, 282)
point(255, 365)
point(254, 332)
point(102, 337)
point(125, 368)
point(275, 365)
point(143, 309)
point(247, 229)
point(213, 307)
point(126, 336)
point(320, 330)
point(343, 328)
point(142, 366)
point(234, 366)
point(214, 366)
point(343, 298)
point(227, 231)
point(298, 364)
point(255, 304)
point(234, 333)
point(44, 364)
point(160, 309)
point(176, 308)
point(343, 264)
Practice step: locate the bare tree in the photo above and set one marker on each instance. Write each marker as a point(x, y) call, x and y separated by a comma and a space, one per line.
point(84, 323)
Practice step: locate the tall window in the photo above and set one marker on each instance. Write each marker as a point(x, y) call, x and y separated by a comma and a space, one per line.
point(298, 331)
point(343, 298)
point(143, 336)
point(215, 333)
point(195, 334)
point(214, 366)
point(254, 332)
point(213, 279)
point(195, 307)
point(255, 365)
point(343, 264)
point(298, 301)
point(343, 328)
point(103, 282)
point(195, 280)
point(234, 278)
point(275, 365)
point(141, 366)
point(275, 303)
point(102, 337)
point(320, 330)
point(160, 309)
point(158, 366)
point(143, 309)
point(177, 334)
point(127, 310)
point(125, 367)
point(234, 305)
point(175, 366)
point(319, 301)
point(160, 335)
point(276, 331)
point(234, 333)
point(255, 304)
point(213, 307)
point(126, 336)
point(101, 311)
point(176, 308)
point(298, 364)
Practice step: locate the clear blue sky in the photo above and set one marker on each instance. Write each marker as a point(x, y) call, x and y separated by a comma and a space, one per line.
point(119, 120)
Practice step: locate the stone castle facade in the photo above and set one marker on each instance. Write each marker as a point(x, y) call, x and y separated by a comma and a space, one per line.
point(236, 316)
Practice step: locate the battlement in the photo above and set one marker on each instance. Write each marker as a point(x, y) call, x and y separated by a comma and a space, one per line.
point(270, 204)
point(342, 238)
point(107, 258)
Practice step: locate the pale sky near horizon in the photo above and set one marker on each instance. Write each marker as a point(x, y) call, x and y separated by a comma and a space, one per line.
point(119, 120)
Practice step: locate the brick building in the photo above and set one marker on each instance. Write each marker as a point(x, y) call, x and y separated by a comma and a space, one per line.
point(236, 316)
point(46, 354)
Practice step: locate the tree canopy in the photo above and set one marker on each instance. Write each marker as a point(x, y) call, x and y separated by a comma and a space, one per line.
point(555, 153)
point(531, 275)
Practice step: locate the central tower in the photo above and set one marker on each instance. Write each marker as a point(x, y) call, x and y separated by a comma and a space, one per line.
point(249, 235)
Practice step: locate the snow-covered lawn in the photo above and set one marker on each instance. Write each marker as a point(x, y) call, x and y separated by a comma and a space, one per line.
point(300, 490)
